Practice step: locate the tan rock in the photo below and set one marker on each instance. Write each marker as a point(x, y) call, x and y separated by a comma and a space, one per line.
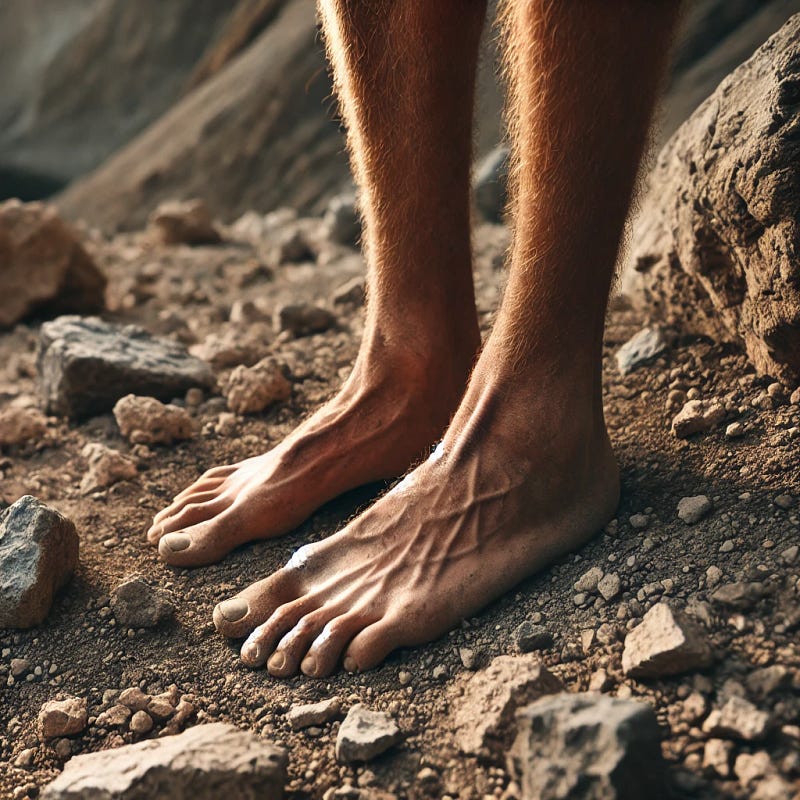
point(18, 425)
point(62, 718)
point(145, 420)
point(43, 264)
point(252, 389)
point(187, 222)
point(105, 467)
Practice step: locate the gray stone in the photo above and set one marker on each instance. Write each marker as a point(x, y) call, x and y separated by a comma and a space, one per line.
point(716, 246)
point(737, 719)
point(206, 762)
point(491, 185)
point(589, 580)
point(609, 586)
point(38, 554)
point(85, 365)
point(739, 594)
point(588, 746)
point(304, 716)
point(44, 266)
point(666, 642)
point(641, 348)
point(693, 509)
point(251, 389)
point(303, 319)
point(145, 420)
point(365, 734)
point(341, 220)
point(530, 637)
point(483, 715)
point(136, 604)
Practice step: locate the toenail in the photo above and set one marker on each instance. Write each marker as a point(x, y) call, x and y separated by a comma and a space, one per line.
point(350, 664)
point(233, 609)
point(309, 665)
point(176, 541)
point(277, 661)
point(251, 654)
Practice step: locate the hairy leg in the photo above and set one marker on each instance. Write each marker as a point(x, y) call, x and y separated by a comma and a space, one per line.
point(405, 75)
point(525, 471)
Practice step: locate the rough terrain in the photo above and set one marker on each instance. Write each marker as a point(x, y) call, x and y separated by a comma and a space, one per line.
point(729, 562)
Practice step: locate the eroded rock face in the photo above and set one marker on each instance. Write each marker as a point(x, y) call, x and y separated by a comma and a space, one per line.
point(590, 746)
point(42, 263)
point(38, 554)
point(204, 763)
point(85, 365)
point(717, 246)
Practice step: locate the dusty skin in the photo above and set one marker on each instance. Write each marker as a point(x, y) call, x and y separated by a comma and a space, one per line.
point(525, 472)
point(470, 522)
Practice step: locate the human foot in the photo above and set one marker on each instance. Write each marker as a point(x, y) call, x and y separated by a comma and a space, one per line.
point(511, 488)
point(395, 404)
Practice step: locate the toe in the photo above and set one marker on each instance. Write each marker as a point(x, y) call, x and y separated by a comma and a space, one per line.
point(326, 650)
point(194, 546)
point(293, 647)
point(261, 644)
point(195, 512)
point(372, 645)
point(163, 522)
point(239, 615)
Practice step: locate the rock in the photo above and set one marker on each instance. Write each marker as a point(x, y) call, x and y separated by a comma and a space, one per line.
point(134, 699)
point(530, 637)
point(38, 554)
point(693, 509)
point(62, 718)
point(784, 501)
point(293, 247)
point(735, 430)
point(590, 746)
point(85, 365)
point(18, 425)
point(352, 293)
point(105, 467)
point(763, 682)
point(44, 265)
point(589, 580)
point(639, 522)
point(115, 717)
point(19, 666)
point(145, 420)
point(186, 222)
point(252, 389)
point(228, 349)
point(491, 184)
point(141, 723)
point(716, 243)
point(304, 716)
point(484, 715)
point(717, 757)
point(739, 594)
point(666, 642)
point(365, 734)
point(697, 416)
point(641, 348)
point(609, 586)
point(341, 220)
point(737, 719)
point(136, 604)
point(469, 658)
point(303, 319)
point(205, 763)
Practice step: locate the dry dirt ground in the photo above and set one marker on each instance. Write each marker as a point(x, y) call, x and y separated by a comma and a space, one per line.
point(187, 293)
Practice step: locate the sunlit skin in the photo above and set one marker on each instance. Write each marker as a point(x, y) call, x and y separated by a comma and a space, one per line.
point(524, 472)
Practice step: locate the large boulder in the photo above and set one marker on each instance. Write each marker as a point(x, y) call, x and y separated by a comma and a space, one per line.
point(204, 763)
point(38, 554)
point(717, 244)
point(43, 264)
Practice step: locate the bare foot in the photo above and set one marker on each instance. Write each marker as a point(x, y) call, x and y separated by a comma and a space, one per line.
point(511, 488)
point(394, 406)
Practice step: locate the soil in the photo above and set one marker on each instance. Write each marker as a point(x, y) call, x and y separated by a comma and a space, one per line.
point(188, 292)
